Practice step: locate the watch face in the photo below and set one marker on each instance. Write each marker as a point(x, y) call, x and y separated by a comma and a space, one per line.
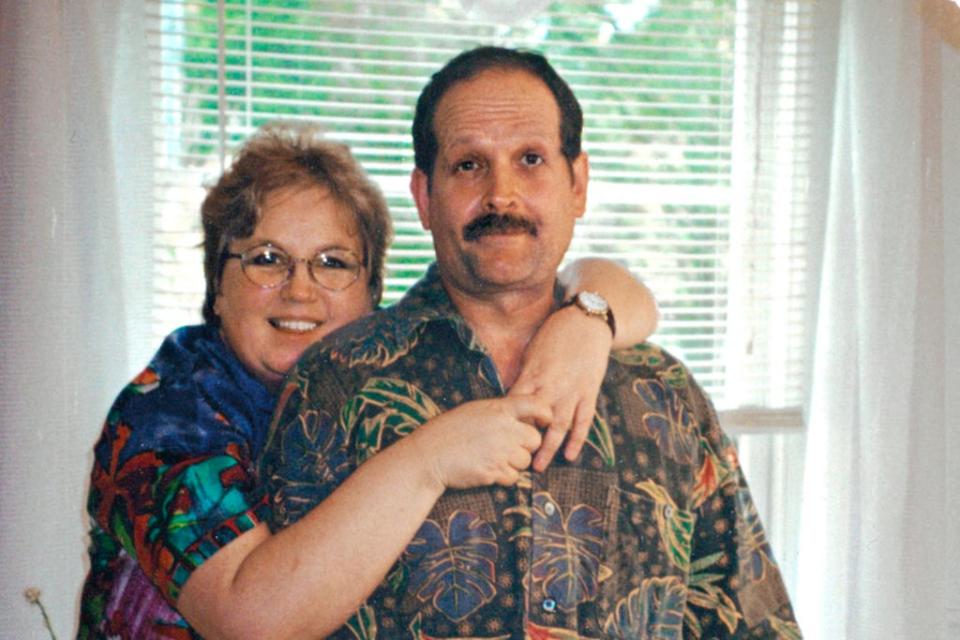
point(592, 302)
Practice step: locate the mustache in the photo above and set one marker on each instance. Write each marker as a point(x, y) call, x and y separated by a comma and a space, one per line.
point(494, 222)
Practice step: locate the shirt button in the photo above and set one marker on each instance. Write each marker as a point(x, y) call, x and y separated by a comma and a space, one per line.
point(668, 511)
point(549, 508)
point(549, 605)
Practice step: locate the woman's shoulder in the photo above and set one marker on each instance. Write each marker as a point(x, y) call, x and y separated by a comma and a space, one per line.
point(193, 390)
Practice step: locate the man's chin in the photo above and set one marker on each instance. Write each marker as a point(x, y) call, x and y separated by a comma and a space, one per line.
point(501, 275)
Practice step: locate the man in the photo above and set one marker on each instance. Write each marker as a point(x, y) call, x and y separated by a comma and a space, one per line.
point(649, 532)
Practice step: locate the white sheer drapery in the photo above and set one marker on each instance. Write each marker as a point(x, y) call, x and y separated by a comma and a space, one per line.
point(74, 255)
point(874, 550)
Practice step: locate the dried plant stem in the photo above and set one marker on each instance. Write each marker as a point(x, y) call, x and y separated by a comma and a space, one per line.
point(33, 596)
point(46, 620)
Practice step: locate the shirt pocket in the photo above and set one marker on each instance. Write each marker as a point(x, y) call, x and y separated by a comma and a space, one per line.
point(572, 514)
point(449, 568)
point(648, 557)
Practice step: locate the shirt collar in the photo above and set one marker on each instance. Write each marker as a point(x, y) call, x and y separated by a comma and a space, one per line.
point(428, 301)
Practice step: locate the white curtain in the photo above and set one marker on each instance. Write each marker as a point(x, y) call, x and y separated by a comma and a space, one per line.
point(74, 268)
point(876, 551)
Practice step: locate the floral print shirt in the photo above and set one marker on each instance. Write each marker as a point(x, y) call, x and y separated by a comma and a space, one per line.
point(173, 481)
point(650, 533)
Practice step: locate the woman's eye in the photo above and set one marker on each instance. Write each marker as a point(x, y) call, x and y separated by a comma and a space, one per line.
point(330, 262)
point(336, 261)
point(268, 258)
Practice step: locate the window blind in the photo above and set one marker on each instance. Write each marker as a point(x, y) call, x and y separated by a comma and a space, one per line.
point(696, 123)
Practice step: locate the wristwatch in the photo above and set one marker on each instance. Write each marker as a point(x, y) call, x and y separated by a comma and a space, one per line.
point(594, 304)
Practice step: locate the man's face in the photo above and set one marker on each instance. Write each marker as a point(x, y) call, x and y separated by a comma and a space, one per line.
point(503, 198)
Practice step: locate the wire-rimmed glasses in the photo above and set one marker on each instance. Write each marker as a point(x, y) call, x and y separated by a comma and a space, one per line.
point(267, 265)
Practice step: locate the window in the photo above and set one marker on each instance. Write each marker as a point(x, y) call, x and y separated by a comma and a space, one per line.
point(695, 121)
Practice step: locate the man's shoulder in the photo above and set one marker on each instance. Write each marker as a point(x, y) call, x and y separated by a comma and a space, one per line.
point(653, 375)
point(372, 342)
point(649, 360)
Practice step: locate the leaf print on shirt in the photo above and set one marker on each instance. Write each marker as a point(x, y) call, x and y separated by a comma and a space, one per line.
point(675, 375)
point(754, 550)
point(645, 353)
point(668, 422)
point(535, 631)
point(715, 471)
point(654, 610)
point(675, 525)
point(454, 569)
point(566, 551)
point(363, 623)
point(360, 346)
point(600, 439)
point(704, 592)
point(785, 629)
point(416, 633)
point(393, 404)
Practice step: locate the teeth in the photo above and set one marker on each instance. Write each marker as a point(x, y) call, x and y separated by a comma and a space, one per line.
point(295, 325)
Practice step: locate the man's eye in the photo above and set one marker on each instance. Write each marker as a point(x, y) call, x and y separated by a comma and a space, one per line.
point(467, 165)
point(532, 159)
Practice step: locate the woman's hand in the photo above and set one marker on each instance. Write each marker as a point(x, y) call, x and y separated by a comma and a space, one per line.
point(483, 442)
point(566, 360)
point(564, 365)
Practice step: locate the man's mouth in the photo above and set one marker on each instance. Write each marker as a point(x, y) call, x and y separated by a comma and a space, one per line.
point(503, 224)
point(294, 326)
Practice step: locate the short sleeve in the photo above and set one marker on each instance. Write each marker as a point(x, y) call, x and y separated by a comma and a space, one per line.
point(166, 490)
point(735, 586)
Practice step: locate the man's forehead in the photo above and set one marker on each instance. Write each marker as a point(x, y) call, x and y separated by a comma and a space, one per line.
point(511, 98)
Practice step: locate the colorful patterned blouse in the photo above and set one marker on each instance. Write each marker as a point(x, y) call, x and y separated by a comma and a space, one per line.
point(650, 533)
point(173, 482)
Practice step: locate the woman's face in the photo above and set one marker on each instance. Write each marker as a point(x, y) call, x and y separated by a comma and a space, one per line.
point(268, 329)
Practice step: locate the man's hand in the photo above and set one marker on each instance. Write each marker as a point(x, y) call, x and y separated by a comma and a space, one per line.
point(564, 365)
point(483, 442)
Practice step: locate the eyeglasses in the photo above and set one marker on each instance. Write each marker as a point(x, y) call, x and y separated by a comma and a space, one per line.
point(268, 266)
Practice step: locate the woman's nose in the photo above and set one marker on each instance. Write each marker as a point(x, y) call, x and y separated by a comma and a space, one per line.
point(300, 285)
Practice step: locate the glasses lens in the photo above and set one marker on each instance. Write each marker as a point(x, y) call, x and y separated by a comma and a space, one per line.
point(266, 266)
point(335, 268)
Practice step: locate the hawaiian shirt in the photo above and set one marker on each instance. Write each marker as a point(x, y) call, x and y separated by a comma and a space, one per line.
point(173, 481)
point(650, 533)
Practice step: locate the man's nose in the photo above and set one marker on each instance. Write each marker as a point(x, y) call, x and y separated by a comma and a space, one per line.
point(501, 189)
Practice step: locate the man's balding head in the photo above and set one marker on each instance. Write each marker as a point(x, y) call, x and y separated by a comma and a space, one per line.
point(469, 64)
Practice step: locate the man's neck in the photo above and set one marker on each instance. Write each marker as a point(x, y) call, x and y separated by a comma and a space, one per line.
point(504, 323)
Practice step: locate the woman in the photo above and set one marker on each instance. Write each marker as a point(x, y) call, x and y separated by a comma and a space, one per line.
point(294, 242)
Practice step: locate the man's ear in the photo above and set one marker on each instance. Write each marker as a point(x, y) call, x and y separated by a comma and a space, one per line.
point(581, 177)
point(420, 190)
